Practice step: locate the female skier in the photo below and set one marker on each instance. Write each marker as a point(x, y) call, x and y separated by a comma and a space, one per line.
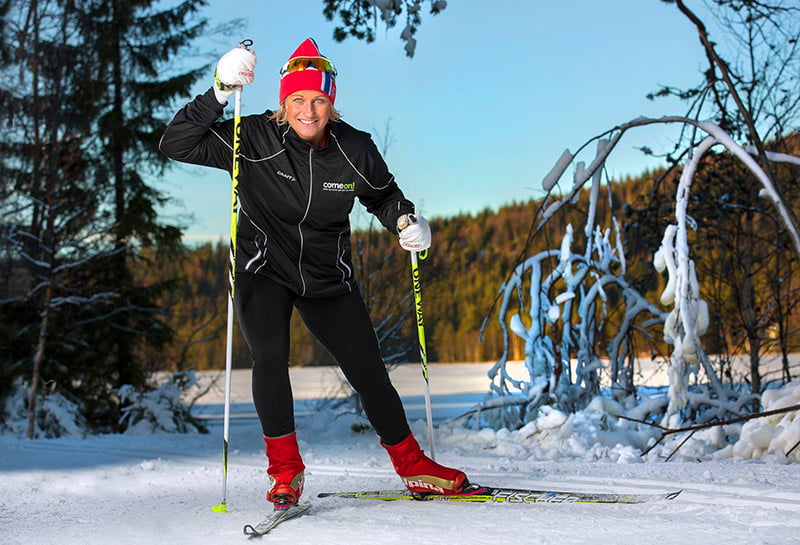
point(301, 170)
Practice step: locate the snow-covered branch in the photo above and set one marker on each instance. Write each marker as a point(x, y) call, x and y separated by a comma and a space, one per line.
point(613, 135)
point(567, 295)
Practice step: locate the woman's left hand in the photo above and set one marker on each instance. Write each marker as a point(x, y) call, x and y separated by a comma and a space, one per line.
point(415, 232)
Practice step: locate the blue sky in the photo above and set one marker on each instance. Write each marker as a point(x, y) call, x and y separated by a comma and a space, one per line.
point(494, 94)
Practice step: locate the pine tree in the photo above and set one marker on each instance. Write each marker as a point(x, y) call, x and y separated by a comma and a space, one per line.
point(52, 224)
point(133, 42)
point(80, 129)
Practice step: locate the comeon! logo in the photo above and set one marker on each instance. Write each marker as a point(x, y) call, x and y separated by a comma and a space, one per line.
point(337, 186)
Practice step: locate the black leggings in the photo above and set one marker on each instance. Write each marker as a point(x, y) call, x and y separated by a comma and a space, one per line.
point(342, 325)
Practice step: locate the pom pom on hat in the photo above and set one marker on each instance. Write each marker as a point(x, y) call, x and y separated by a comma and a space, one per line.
point(310, 78)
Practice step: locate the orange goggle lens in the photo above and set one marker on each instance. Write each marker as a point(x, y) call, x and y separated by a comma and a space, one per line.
point(299, 64)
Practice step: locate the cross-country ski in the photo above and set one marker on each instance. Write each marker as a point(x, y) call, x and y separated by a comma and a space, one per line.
point(489, 494)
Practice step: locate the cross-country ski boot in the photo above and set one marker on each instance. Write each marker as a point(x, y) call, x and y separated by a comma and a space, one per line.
point(421, 475)
point(285, 470)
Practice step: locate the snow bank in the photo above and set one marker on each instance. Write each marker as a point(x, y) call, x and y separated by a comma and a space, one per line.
point(587, 435)
point(771, 437)
point(594, 434)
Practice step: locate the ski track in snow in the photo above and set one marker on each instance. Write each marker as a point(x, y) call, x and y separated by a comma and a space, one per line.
point(160, 488)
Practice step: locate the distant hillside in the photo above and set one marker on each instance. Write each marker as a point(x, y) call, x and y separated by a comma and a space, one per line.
point(471, 256)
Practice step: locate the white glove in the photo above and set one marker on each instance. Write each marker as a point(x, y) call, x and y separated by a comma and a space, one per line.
point(234, 68)
point(415, 233)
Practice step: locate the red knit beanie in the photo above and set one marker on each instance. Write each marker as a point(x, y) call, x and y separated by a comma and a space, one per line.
point(309, 79)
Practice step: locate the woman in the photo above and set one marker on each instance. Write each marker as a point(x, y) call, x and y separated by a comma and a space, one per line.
point(301, 169)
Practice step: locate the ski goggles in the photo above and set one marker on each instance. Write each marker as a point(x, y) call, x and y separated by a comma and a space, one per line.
point(298, 64)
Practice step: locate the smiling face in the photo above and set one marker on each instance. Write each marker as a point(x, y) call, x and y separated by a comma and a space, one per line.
point(308, 113)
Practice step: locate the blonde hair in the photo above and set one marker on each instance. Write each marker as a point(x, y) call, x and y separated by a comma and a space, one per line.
point(280, 114)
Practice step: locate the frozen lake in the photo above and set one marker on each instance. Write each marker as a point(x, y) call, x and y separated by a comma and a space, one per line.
point(455, 388)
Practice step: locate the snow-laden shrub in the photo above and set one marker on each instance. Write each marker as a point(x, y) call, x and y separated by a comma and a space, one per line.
point(595, 433)
point(564, 303)
point(56, 415)
point(160, 410)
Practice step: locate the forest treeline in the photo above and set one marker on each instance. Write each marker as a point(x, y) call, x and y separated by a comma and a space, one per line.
point(460, 278)
point(473, 254)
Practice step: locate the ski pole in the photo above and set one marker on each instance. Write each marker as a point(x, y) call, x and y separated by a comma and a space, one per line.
point(237, 127)
point(423, 353)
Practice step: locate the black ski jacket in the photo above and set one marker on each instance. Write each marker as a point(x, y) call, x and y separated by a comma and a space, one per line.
point(295, 198)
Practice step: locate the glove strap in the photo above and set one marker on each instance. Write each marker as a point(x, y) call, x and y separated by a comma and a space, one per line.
point(410, 220)
point(222, 86)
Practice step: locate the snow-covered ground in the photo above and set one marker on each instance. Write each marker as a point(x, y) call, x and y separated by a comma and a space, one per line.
point(154, 489)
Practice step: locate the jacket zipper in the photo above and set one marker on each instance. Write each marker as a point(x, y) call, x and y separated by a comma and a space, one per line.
point(300, 225)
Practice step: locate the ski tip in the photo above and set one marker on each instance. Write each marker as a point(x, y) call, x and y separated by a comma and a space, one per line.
point(278, 516)
point(673, 495)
